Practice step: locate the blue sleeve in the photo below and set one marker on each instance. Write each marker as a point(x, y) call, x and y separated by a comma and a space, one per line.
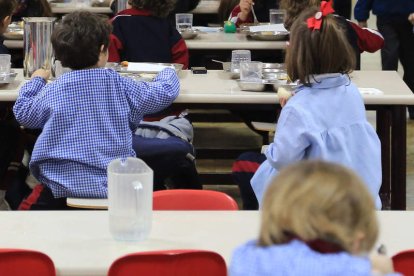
point(31, 109)
point(362, 9)
point(150, 97)
point(290, 141)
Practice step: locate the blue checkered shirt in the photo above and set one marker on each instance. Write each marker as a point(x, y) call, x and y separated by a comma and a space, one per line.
point(88, 118)
point(296, 259)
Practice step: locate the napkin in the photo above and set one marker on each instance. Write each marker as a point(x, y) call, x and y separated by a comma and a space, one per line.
point(146, 67)
point(370, 91)
point(268, 28)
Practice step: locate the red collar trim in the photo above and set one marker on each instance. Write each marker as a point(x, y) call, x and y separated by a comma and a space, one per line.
point(134, 11)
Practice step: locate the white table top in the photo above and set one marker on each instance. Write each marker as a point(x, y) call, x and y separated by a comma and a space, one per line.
point(69, 7)
point(231, 41)
point(206, 6)
point(206, 41)
point(79, 242)
point(217, 87)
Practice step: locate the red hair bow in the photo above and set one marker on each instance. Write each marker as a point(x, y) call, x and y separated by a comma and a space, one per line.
point(315, 22)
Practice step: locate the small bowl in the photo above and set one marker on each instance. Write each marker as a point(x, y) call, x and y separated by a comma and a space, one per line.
point(189, 34)
point(251, 85)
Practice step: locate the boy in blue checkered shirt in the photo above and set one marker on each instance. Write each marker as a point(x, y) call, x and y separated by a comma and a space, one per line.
point(87, 115)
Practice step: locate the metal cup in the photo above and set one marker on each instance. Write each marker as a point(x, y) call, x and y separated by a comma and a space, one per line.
point(38, 50)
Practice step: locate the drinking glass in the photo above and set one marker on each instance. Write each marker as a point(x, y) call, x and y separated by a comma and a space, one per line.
point(251, 70)
point(276, 16)
point(4, 67)
point(184, 21)
point(238, 56)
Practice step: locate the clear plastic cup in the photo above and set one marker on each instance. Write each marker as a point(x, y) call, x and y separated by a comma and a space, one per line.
point(184, 21)
point(238, 56)
point(276, 16)
point(4, 67)
point(251, 71)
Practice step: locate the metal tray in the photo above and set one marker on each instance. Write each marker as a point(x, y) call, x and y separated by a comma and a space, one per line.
point(268, 36)
point(264, 85)
point(8, 78)
point(268, 69)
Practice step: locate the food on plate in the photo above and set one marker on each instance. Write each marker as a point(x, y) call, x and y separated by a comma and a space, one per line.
point(124, 63)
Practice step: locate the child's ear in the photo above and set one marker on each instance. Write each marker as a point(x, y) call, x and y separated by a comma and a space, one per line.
point(6, 21)
point(356, 244)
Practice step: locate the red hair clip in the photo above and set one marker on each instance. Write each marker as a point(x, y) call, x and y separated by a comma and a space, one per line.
point(315, 22)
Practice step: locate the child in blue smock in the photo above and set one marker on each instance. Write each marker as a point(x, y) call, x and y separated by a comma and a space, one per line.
point(325, 119)
point(87, 116)
point(318, 218)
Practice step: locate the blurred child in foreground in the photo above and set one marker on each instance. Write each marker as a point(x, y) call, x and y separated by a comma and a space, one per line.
point(318, 218)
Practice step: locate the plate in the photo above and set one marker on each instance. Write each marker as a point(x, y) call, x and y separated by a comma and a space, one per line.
point(268, 36)
point(143, 67)
point(8, 78)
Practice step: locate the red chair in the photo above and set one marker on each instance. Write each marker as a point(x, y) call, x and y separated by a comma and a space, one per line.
point(16, 262)
point(170, 263)
point(404, 262)
point(192, 200)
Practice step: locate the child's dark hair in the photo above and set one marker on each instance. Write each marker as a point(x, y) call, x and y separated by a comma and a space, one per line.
point(77, 40)
point(6, 9)
point(312, 51)
point(158, 8)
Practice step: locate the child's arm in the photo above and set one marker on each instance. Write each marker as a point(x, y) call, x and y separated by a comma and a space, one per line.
point(179, 52)
point(29, 109)
point(150, 97)
point(115, 46)
point(290, 140)
point(368, 39)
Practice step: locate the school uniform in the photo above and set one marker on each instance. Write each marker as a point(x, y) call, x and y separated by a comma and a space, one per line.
point(138, 36)
point(296, 258)
point(87, 118)
point(326, 121)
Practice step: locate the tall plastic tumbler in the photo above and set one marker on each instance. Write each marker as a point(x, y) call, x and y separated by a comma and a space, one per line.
point(130, 187)
point(38, 51)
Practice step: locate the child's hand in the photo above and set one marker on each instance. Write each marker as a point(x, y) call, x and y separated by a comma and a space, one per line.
point(283, 95)
point(45, 74)
point(381, 264)
point(245, 9)
point(411, 18)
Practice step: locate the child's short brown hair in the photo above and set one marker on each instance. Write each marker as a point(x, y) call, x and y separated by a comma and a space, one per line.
point(78, 39)
point(159, 8)
point(6, 9)
point(294, 8)
point(316, 200)
point(312, 52)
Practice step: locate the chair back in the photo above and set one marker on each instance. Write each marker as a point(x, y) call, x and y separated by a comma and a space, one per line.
point(404, 262)
point(170, 263)
point(179, 199)
point(15, 262)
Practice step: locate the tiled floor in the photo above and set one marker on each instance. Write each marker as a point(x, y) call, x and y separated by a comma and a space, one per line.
point(238, 135)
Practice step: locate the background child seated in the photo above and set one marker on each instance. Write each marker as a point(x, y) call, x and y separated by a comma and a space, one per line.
point(318, 218)
point(143, 33)
point(87, 115)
